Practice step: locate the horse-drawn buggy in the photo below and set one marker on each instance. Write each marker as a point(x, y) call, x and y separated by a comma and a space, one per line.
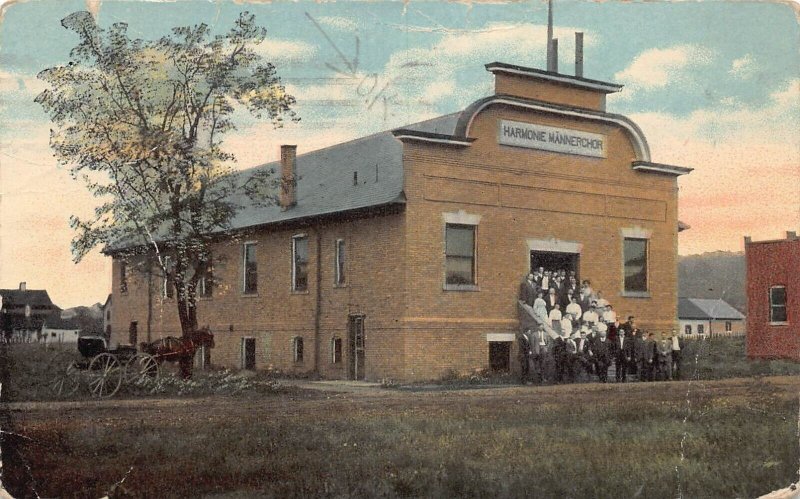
point(103, 372)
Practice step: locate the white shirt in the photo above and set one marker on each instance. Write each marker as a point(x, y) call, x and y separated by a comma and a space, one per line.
point(609, 316)
point(602, 302)
point(590, 316)
point(601, 327)
point(574, 309)
point(566, 326)
point(555, 315)
point(676, 346)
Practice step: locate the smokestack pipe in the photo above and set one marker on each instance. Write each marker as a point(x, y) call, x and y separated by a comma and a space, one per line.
point(579, 54)
point(550, 35)
point(554, 62)
point(288, 194)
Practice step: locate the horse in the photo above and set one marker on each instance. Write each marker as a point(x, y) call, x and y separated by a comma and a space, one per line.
point(182, 350)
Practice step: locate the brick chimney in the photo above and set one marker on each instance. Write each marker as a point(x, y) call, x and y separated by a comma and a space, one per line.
point(288, 195)
point(23, 286)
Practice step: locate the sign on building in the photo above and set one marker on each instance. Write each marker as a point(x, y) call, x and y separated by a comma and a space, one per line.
point(549, 138)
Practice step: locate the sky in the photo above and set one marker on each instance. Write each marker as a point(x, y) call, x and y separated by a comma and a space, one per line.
point(714, 85)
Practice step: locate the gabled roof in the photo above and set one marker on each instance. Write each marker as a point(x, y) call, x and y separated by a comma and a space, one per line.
point(707, 309)
point(326, 185)
point(36, 298)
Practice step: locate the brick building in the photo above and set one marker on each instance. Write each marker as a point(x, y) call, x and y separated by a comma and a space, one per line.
point(400, 254)
point(773, 301)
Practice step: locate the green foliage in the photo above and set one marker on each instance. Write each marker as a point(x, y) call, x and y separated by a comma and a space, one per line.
point(141, 123)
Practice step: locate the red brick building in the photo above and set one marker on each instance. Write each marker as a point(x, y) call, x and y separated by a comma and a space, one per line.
point(401, 253)
point(773, 297)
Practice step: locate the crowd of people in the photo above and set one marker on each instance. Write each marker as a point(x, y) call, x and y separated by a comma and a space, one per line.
point(589, 337)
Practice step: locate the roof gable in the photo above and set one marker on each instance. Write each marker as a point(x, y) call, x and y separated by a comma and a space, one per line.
point(707, 309)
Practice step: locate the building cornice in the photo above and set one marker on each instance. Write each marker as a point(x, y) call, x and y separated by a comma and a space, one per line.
point(646, 166)
point(469, 114)
point(558, 78)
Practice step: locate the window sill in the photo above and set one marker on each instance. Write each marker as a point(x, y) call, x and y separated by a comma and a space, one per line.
point(340, 286)
point(780, 323)
point(299, 292)
point(461, 287)
point(635, 294)
point(249, 295)
point(205, 298)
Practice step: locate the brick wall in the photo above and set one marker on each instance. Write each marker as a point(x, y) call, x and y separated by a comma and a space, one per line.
point(276, 315)
point(523, 194)
point(773, 263)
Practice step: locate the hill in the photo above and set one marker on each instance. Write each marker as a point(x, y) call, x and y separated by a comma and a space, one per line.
point(719, 274)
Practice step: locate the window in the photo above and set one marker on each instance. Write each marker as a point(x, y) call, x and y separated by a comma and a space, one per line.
point(300, 263)
point(123, 277)
point(339, 271)
point(297, 349)
point(336, 350)
point(167, 287)
point(635, 261)
point(205, 285)
point(133, 332)
point(687, 329)
point(250, 267)
point(701, 329)
point(728, 326)
point(777, 304)
point(459, 254)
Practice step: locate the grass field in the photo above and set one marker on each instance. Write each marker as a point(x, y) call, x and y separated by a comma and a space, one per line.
point(710, 438)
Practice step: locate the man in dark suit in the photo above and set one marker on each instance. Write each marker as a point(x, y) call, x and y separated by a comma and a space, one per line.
point(527, 290)
point(525, 354)
point(602, 350)
point(623, 355)
point(650, 356)
point(583, 360)
point(551, 300)
point(542, 354)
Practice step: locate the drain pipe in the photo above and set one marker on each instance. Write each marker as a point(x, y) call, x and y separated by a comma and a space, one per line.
point(318, 304)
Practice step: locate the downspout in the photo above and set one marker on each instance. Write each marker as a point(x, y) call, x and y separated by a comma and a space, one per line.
point(149, 301)
point(318, 304)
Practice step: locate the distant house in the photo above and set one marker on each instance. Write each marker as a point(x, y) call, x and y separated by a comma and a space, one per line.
point(773, 297)
point(107, 316)
point(64, 327)
point(709, 316)
point(24, 313)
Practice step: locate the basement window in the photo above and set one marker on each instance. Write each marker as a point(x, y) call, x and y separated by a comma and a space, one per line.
point(777, 305)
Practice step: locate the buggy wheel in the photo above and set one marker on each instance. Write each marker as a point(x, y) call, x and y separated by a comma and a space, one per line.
point(65, 382)
point(105, 375)
point(140, 367)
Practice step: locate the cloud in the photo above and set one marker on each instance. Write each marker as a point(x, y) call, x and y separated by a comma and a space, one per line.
point(285, 51)
point(744, 67)
point(22, 85)
point(655, 69)
point(739, 153)
point(335, 22)
point(788, 96)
